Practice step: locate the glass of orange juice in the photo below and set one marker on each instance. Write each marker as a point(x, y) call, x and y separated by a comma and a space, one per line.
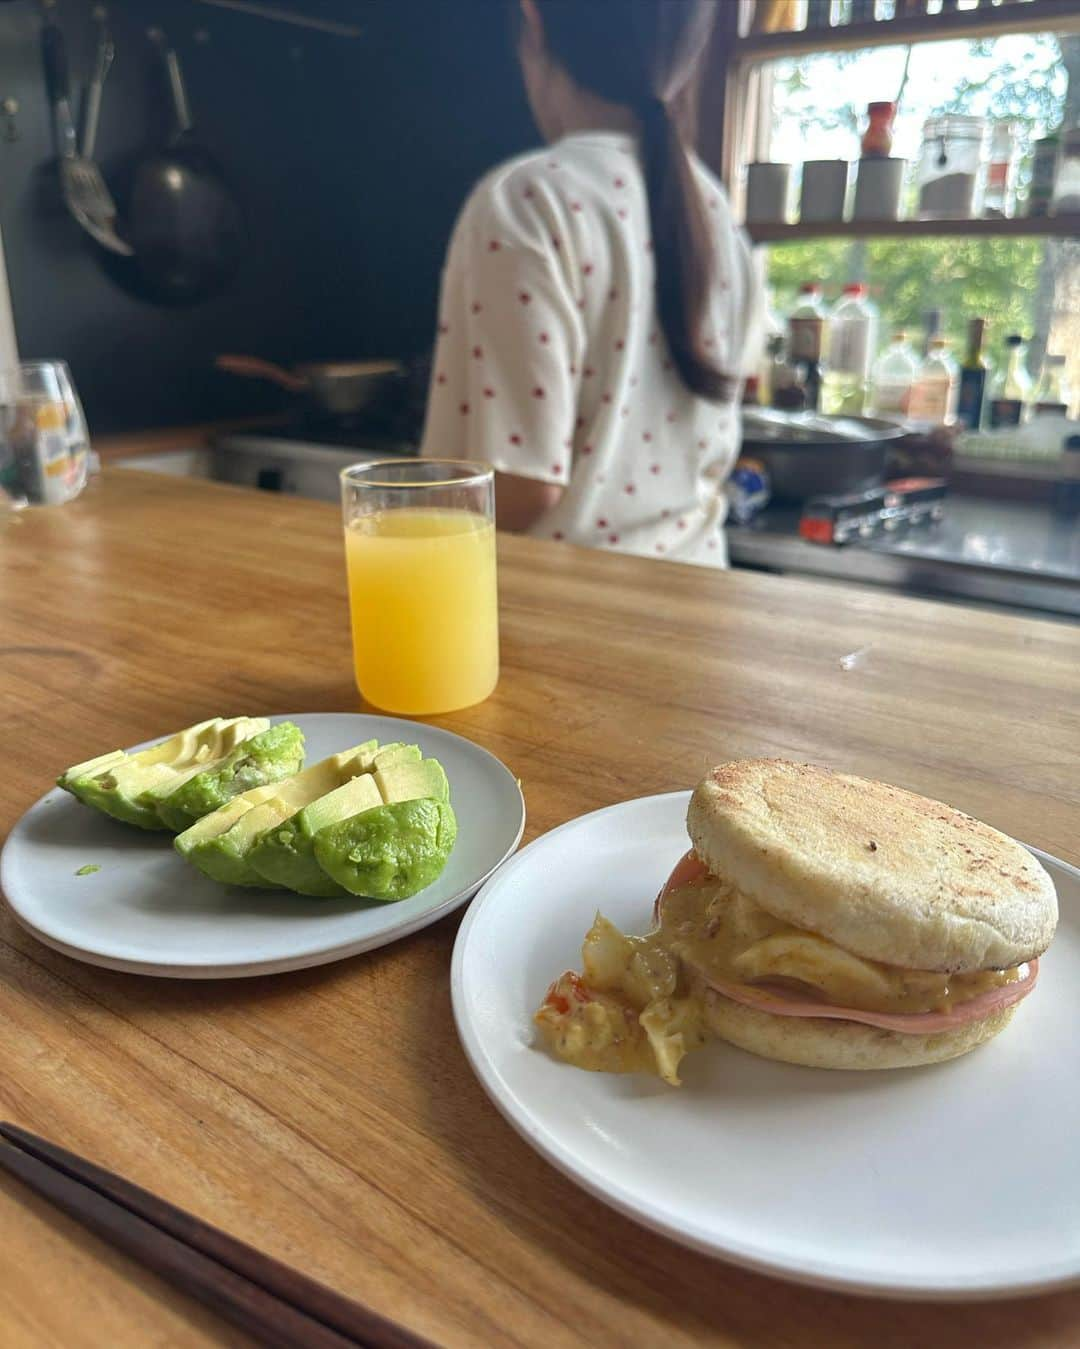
point(420, 557)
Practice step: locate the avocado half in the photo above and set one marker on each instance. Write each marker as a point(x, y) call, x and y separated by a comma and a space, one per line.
point(224, 853)
point(391, 852)
point(273, 754)
point(129, 787)
point(286, 855)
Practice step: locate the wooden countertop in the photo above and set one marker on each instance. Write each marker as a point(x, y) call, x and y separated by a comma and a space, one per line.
point(329, 1116)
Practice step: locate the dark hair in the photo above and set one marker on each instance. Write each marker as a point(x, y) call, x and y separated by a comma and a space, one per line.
point(642, 54)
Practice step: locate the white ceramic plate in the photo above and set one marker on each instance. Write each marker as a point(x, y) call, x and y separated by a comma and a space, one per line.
point(148, 911)
point(957, 1180)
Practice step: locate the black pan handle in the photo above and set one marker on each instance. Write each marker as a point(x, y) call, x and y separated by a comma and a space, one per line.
point(54, 55)
point(178, 90)
point(175, 78)
point(54, 52)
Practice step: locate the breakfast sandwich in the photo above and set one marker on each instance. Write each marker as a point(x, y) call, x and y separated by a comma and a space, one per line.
point(819, 919)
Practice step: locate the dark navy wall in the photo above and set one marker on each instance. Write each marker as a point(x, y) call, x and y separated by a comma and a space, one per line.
point(352, 157)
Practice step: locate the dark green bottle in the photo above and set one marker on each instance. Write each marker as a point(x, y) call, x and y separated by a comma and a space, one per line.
point(972, 399)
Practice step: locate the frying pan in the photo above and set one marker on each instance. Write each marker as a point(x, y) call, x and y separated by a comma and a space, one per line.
point(339, 388)
point(809, 455)
point(186, 226)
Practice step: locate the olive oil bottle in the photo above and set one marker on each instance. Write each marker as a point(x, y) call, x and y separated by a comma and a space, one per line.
point(972, 400)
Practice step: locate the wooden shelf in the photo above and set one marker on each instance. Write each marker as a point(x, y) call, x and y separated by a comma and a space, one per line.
point(1057, 226)
point(1053, 16)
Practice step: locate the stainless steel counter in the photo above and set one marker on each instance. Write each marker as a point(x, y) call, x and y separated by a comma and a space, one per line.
point(1010, 553)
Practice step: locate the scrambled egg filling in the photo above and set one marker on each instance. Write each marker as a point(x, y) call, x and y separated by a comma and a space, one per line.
point(638, 1005)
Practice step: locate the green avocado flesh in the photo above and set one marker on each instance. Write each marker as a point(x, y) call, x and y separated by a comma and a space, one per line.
point(129, 787)
point(410, 781)
point(391, 852)
point(268, 757)
point(210, 826)
point(286, 854)
point(224, 854)
point(396, 754)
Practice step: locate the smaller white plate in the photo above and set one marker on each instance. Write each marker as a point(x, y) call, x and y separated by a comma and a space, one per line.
point(958, 1180)
point(147, 911)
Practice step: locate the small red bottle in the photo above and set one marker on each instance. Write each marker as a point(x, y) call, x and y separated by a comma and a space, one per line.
point(877, 138)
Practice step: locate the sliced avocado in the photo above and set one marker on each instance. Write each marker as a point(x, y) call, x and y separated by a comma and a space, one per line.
point(124, 787)
point(395, 754)
point(286, 854)
point(172, 748)
point(366, 754)
point(410, 781)
point(140, 786)
point(89, 768)
point(224, 857)
point(268, 757)
point(391, 852)
point(218, 821)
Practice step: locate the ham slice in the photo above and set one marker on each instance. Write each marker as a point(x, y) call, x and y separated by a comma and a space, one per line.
point(690, 870)
point(906, 1023)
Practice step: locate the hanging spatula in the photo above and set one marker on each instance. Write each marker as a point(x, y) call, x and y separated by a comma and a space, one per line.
point(103, 60)
point(85, 193)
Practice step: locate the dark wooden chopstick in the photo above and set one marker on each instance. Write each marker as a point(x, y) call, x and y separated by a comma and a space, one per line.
point(272, 1301)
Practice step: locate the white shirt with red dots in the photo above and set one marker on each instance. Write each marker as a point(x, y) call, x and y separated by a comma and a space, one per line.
point(551, 363)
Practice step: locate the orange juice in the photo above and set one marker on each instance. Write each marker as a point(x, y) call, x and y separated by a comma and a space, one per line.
point(424, 608)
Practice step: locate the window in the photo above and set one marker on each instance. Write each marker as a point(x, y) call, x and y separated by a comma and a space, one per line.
point(1027, 285)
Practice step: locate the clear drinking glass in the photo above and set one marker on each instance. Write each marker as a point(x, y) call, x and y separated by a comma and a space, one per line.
point(44, 432)
point(420, 557)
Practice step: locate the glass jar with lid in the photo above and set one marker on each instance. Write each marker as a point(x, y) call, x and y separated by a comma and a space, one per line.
point(950, 163)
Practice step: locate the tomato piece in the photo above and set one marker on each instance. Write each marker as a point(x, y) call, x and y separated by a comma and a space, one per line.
point(689, 870)
point(558, 1000)
point(580, 988)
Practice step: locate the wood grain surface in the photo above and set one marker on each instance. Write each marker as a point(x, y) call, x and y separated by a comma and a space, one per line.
point(329, 1116)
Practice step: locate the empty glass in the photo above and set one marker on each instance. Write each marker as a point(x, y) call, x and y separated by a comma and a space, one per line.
point(45, 444)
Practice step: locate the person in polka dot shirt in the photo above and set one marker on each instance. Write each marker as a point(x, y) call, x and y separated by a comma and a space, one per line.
point(599, 307)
